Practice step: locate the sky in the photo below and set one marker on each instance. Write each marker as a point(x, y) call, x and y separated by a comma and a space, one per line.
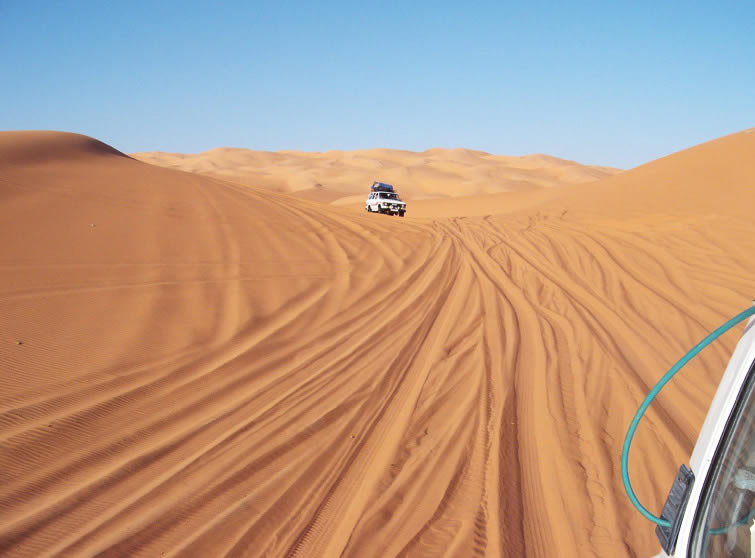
point(607, 83)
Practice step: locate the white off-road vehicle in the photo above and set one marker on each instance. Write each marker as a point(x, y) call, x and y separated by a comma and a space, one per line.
point(383, 199)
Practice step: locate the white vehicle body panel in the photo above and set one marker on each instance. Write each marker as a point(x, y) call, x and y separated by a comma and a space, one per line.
point(716, 420)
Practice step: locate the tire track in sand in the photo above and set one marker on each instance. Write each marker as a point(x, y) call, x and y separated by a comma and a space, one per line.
point(394, 387)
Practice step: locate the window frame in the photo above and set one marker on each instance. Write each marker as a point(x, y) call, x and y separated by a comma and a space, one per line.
point(746, 395)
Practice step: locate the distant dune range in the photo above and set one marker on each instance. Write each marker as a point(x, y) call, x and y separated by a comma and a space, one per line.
point(203, 366)
point(343, 177)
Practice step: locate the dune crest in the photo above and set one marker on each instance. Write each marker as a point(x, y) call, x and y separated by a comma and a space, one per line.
point(434, 173)
point(714, 177)
point(28, 147)
point(195, 367)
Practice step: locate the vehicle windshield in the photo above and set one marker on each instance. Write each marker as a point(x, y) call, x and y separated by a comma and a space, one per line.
point(387, 196)
point(725, 521)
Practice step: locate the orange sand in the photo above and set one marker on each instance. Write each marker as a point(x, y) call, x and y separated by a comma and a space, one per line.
point(344, 176)
point(197, 367)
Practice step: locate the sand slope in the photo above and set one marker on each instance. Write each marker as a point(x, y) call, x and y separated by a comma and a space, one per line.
point(210, 369)
point(345, 176)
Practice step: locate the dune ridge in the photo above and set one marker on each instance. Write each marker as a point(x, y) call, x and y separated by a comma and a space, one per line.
point(32, 146)
point(343, 176)
point(191, 366)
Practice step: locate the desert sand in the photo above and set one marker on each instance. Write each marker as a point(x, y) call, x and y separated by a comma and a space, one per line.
point(341, 177)
point(201, 366)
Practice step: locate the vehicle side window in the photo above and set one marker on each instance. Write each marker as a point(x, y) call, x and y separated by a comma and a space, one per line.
point(724, 523)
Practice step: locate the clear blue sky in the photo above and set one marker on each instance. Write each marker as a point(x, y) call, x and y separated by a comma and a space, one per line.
point(600, 82)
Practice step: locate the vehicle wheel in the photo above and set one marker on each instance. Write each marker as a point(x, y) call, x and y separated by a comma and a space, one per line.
point(401, 214)
point(369, 209)
point(380, 209)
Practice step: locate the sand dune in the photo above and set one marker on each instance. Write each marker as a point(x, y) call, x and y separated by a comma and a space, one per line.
point(194, 367)
point(435, 173)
